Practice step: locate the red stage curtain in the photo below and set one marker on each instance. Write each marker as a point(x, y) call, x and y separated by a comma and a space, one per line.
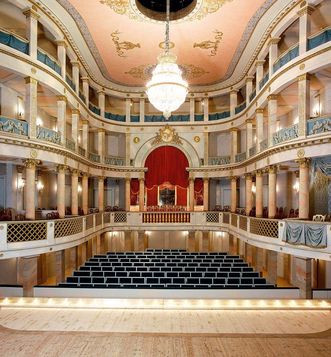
point(198, 191)
point(166, 164)
point(134, 191)
point(181, 196)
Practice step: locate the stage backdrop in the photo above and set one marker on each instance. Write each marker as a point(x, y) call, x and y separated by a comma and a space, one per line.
point(166, 164)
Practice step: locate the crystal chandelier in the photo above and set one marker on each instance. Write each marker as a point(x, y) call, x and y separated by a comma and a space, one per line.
point(167, 90)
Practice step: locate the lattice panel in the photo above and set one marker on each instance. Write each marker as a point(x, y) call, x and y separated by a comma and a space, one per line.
point(89, 221)
point(106, 218)
point(243, 223)
point(26, 232)
point(65, 228)
point(120, 217)
point(264, 227)
point(98, 219)
point(234, 220)
point(212, 217)
point(226, 218)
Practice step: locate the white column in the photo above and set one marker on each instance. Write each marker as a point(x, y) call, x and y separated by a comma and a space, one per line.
point(259, 128)
point(303, 102)
point(259, 194)
point(101, 102)
point(101, 193)
point(206, 148)
point(273, 53)
point(259, 74)
point(142, 110)
point(272, 191)
point(234, 143)
point(75, 75)
point(30, 188)
point(20, 187)
point(60, 194)
point(61, 117)
point(75, 127)
point(233, 194)
point(233, 101)
point(191, 194)
point(249, 201)
point(304, 188)
point(206, 194)
point(32, 31)
point(101, 144)
point(74, 192)
point(86, 90)
point(249, 88)
point(85, 137)
point(272, 117)
point(61, 55)
point(141, 194)
point(85, 193)
point(205, 109)
point(192, 109)
point(127, 148)
point(249, 135)
point(30, 110)
point(127, 194)
point(128, 110)
point(304, 27)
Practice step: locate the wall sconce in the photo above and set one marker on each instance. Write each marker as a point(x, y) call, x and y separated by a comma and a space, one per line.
point(79, 189)
point(296, 186)
point(79, 139)
point(39, 121)
point(40, 186)
point(254, 139)
point(253, 189)
point(20, 183)
point(185, 233)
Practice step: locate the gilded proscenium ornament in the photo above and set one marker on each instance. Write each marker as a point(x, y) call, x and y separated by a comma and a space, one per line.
point(211, 45)
point(122, 46)
point(144, 71)
point(167, 135)
point(128, 8)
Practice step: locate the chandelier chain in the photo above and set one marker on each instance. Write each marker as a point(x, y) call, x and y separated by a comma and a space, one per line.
point(167, 35)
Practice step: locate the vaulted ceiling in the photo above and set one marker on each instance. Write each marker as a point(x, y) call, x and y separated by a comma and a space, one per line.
point(125, 43)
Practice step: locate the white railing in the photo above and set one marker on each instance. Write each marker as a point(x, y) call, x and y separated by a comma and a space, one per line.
point(35, 237)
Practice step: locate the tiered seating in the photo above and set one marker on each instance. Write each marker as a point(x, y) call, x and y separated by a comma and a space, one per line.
point(166, 269)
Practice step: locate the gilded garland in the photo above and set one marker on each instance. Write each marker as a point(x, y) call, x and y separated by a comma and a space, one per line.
point(167, 135)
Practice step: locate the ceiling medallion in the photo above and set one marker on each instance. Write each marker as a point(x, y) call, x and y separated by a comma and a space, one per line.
point(144, 71)
point(167, 135)
point(163, 45)
point(129, 8)
point(211, 45)
point(122, 46)
point(197, 139)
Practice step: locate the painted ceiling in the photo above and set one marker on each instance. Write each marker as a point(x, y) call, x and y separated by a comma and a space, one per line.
point(125, 44)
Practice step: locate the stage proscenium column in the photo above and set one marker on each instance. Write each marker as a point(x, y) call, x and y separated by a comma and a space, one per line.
point(205, 193)
point(30, 188)
point(141, 194)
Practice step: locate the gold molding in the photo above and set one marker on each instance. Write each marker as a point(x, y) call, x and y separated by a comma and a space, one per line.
point(122, 46)
point(211, 45)
point(167, 135)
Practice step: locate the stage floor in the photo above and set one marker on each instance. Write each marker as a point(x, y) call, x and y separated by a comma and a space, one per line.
point(40, 328)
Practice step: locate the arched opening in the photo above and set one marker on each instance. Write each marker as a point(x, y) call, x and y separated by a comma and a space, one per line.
point(166, 180)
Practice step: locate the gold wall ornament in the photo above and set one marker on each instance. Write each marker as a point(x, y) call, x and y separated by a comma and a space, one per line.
point(33, 154)
point(122, 46)
point(301, 153)
point(144, 71)
point(211, 45)
point(197, 139)
point(167, 135)
point(136, 140)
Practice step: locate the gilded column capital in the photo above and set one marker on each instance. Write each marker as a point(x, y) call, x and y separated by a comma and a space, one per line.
point(101, 130)
point(272, 97)
point(259, 111)
point(31, 163)
point(305, 9)
point(205, 179)
point(61, 43)
point(30, 80)
point(85, 122)
point(75, 111)
point(101, 178)
point(304, 162)
point(260, 62)
point(249, 78)
point(84, 174)
point(248, 176)
point(234, 91)
point(30, 12)
point(249, 121)
point(234, 178)
point(74, 63)
point(234, 130)
point(85, 79)
point(61, 98)
point(75, 172)
point(272, 169)
point(273, 41)
point(304, 77)
point(101, 91)
point(61, 168)
point(259, 173)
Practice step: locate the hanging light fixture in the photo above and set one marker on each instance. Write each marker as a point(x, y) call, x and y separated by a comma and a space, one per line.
point(167, 90)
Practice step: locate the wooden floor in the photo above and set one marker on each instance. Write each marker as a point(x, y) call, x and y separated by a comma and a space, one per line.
point(133, 332)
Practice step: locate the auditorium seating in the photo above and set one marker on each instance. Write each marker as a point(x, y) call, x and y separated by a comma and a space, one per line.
point(166, 269)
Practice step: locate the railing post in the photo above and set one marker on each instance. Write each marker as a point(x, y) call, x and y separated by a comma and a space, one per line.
point(84, 224)
point(3, 236)
point(50, 232)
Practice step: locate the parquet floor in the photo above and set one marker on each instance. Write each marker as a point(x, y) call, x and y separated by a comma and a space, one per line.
point(144, 333)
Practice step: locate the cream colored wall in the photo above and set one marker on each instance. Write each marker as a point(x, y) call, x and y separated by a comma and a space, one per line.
point(8, 271)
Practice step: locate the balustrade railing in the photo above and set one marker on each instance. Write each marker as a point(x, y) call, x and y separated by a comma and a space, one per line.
point(219, 160)
point(240, 157)
point(285, 58)
point(240, 108)
point(70, 144)
point(81, 151)
point(94, 157)
point(285, 134)
point(13, 126)
point(70, 82)
point(48, 135)
point(217, 116)
point(14, 41)
point(48, 61)
point(94, 109)
point(264, 145)
point(318, 125)
point(252, 95)
point(166, 217)
point(264, 81)
point(319, 39)
point(252, 151)
point(115, 161)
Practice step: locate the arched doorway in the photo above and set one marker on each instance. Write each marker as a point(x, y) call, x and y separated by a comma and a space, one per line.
point(166, 181)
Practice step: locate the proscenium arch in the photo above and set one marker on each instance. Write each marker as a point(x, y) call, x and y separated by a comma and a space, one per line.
point(188, 150)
